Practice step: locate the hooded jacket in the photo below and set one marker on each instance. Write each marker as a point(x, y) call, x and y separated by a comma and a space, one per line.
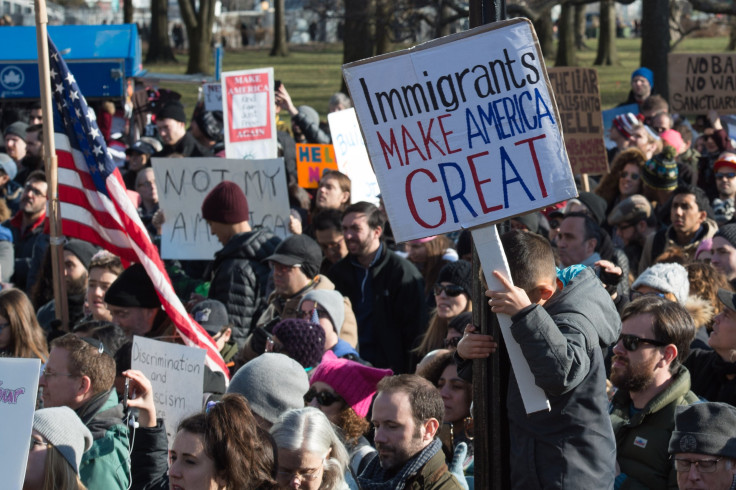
point(656, 243)
point(239, 277)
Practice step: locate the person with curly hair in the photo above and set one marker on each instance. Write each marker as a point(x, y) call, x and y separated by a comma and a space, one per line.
point(624, 179)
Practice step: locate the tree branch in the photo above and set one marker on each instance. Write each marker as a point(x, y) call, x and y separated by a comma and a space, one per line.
point(714, 6)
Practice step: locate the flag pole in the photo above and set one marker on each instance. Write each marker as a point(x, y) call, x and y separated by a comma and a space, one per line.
point(54, 210)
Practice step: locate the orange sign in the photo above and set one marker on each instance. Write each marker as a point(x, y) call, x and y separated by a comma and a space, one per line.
point(312, 161)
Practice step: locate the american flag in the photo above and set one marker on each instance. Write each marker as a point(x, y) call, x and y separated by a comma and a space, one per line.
point(95, 206)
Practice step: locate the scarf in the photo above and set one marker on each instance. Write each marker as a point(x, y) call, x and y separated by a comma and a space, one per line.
point(374, 476)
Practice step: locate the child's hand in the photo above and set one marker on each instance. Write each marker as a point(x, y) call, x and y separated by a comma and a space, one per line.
point(508, 301)
point(474, 345)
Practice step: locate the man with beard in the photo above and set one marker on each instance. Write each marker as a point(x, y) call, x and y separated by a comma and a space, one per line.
point(386, 291)
point(77, 256)
point(407, 414)
point(652, 382)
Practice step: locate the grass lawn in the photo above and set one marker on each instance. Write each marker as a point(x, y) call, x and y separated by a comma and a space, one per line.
point(312, 73)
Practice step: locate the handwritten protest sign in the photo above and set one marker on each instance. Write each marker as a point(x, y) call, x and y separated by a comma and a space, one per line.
point(176, 373)
point(700, 82)
point(352, 156)
point(312, 161)
point(579, 103)
point(248, 114)
point(183, 183)
point(18, 388)
point(212, 94)
point(462, 131)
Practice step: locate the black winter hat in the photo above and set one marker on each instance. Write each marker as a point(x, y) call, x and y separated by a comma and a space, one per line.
point(303, 340)
point(595, 204)
point(728, 232)
point(133, 288)
point(18, 128)
point(704, 428)
point(83, 250)
point(459, 273)
point(298, 250)
point(172, 110)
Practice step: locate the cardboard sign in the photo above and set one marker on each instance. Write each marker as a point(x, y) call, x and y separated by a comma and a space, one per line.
point(352, 156)
point(176, 373)
point(700, 82)
point(312, 161)
point(463, 130)
point(18, 389)
point(579, 103)
point(248, 114)
point(183, 183)
point(212, 93)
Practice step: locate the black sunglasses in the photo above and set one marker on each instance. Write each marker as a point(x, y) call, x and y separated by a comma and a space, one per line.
point(324, 398)
point(306, 315)
point(451, 290)
point(631, 342)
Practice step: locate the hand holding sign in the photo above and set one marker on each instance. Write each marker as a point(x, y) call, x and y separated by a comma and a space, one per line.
point(510, 300)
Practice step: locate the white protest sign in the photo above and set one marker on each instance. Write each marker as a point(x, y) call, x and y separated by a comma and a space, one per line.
point(352, 156)
point(248, 114)
point(462, 130)
point(176, 373)
point(183, 183)
point(18, 389)
point(212, 93)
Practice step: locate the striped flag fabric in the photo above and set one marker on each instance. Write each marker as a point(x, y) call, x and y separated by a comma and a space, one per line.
point(95, 206)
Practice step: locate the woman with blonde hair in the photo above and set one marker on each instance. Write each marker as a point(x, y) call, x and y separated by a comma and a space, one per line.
point(20, 333)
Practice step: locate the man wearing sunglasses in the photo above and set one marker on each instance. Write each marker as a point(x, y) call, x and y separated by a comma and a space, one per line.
point(703, 446)
point(725, 174)
point(651, 383)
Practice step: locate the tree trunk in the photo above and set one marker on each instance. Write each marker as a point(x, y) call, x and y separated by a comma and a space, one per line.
point(655, 42)
point(159, 45)
point(127, 11)
point(384, 8)
point(545, 33)
point(358, 32)
point(732, 33)
point(199, 32)
point(579, 23)
point(280, 48)
point(566, 35)
point(607, 54)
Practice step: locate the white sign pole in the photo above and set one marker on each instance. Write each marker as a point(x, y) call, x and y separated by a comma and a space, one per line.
point(492, 258)
point(18, 389)
point(176, 373)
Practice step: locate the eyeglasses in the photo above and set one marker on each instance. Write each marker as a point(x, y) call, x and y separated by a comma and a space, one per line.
point(306, 475)
point(331, 245)
point(451, 290)
point(630, 175)
point(631, 342)
point(324, 398)
point(308, 314)
point(34, 191)
point(452, 342)
point(50, 374)
point(703, 465)
point(37, 443)
point(729, 175)
point(281, 268)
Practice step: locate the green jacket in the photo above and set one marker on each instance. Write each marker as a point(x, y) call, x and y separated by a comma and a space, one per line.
point(434, 476)
point(106, 465)
point(642, 439)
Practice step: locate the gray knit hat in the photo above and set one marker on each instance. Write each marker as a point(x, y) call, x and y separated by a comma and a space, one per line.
point(668, 278)
point(728, 232)
point(272, 383)
point(705, 428)
point(331, 301)
point(63, 428)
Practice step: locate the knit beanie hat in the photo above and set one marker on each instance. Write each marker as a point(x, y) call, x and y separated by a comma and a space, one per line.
point(225, 203)
point(668, 278)
point(298, 250)
point(674, 139)
point(210, 123)
point(172, 110)
point(595, 204)
point(83, 250)
point(272, 383)
point(211, 314)
point(660, 173)
point(727, 161)
point(18, 128)
point(329, 300)
point(704, 428)
point(457, 273)
point(310, 115)
point(728, 232)
point(133, 288)
point(644, 72)
point(354, 382)
point(8, 165)
point(626, 123)
point(302, 339)
point(62, 427)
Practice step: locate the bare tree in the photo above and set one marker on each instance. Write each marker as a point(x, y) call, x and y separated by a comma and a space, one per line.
point(280, 47)
point(199, 32)
point(607, 54)
point(566, 35)
point(159, 45)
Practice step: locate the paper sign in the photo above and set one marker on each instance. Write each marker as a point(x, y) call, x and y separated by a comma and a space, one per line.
point(176, 373)
point(18, 389)
point(463, 130)
point(312, 161)
point(212, 93)
point(701, 82)
point(183, 183)
point(579, 103)
point(248, 114)
point(352, 156)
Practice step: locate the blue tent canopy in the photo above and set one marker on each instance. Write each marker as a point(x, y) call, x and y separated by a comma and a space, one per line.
point(101, 57)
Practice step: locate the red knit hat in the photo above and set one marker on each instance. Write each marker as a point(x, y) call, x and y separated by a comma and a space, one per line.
point(226, 203)
point(353, 381)
point(727, 160)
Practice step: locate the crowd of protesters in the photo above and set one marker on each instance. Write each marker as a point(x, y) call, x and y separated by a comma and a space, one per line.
point(350, 355)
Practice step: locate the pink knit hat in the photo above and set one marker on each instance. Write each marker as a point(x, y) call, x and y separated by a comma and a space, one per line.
point(423, 240)
point(353, 381)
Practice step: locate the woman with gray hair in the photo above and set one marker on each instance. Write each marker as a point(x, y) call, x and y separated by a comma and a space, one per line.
point(310, 454)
